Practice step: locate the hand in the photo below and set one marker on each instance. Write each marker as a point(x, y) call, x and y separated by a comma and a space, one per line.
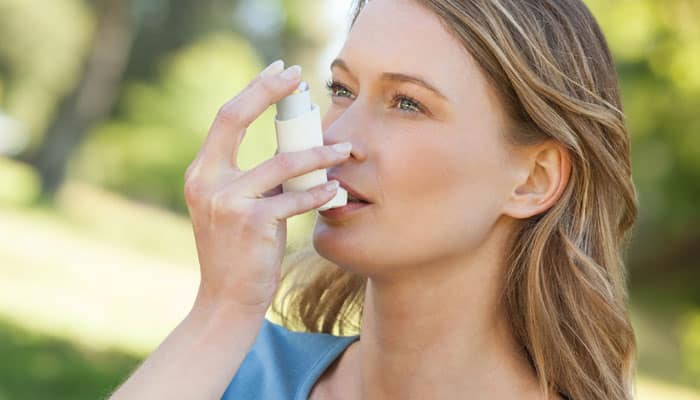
point(239, 217)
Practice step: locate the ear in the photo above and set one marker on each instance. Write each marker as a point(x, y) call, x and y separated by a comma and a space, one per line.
point(544, 172)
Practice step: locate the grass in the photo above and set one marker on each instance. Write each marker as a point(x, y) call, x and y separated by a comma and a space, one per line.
point(81, 286)
point(90, 288)
point(39, 366)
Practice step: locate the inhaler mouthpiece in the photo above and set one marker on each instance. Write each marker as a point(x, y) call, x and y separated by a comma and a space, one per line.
point(298, 127)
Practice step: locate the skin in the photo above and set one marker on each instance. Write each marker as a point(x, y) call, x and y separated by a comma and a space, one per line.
point(447, 191)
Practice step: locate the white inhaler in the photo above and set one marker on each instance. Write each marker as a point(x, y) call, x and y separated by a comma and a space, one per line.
point(298, 127)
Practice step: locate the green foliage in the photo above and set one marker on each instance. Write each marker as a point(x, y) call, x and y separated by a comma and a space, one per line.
point(42, 48)
point(656, 45)
point(37, 366)
point(20, 184)
point(146, 151)
point(690, 347)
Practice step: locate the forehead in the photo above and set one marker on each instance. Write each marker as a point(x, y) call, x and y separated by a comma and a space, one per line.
point(402, 36)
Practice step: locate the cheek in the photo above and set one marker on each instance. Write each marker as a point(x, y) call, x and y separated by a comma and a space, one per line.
point(444, 195)
point(448, 172)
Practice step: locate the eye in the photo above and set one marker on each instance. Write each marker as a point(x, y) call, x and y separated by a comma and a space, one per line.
point(334, 87)
point(412, 106)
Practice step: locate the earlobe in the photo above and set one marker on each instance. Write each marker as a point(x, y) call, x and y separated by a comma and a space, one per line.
point(543, 179)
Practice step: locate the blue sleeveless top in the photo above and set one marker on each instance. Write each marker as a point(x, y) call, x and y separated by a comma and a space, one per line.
point(284, 364)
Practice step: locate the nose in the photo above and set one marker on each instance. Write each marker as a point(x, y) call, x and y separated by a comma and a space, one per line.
point(344, 129)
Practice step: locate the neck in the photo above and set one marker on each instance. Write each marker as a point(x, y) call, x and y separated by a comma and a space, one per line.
point(440, 334)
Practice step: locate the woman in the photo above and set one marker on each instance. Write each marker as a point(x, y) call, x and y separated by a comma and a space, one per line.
point(489, 142)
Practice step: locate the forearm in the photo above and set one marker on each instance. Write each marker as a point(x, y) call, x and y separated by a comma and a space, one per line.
point(197, 359)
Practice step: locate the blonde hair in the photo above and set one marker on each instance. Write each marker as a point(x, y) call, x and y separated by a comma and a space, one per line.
point(565, 286)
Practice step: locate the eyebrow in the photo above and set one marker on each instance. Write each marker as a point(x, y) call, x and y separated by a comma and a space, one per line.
point(393, 76)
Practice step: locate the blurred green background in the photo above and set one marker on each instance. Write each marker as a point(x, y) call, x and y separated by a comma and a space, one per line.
point(104, 103)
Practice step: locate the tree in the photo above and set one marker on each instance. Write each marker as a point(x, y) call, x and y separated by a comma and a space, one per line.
point(92, 98)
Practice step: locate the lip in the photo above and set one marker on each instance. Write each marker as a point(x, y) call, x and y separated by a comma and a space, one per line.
point(348, 188)
point(339, 213)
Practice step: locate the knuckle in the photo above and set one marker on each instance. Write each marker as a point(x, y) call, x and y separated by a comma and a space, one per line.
point(327, 154)
point(255, 219)
point(256, 224)
point(230, 113)
point(285, 161)
point(221, 206)
point(194, 192)
point(306, 199)
point(189, 170)
point(256, 216)
point(267, 87)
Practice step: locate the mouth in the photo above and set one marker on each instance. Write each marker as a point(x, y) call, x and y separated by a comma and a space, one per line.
point(353, 195)
point(353, 206)
point(354, 199)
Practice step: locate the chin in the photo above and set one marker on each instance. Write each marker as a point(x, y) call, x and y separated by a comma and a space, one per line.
point(341, 245)
point(330, 239)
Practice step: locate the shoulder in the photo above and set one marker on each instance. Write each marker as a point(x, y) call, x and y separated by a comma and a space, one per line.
point(283, 362)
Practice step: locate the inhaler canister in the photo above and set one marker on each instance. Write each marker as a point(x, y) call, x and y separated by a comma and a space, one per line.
point(298, 127)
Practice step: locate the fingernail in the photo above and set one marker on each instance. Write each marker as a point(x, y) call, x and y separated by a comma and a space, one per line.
point(292, 73)
point(332, 185)
point(343, 147)
point(275, 68)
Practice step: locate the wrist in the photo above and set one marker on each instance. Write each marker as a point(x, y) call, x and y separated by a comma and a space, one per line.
point(227, 310)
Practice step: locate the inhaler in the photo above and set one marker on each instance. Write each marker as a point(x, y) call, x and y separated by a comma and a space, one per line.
point(298, 127)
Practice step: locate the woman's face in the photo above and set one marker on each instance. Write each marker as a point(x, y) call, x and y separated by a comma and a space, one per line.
point(436, 172)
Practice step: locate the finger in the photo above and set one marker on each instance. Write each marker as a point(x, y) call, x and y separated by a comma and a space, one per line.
point(229, 126)
point(283, 166)
point(274, 191)
point(288, 204)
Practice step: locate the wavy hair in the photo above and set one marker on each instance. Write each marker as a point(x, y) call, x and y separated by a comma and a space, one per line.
point(565, 286)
